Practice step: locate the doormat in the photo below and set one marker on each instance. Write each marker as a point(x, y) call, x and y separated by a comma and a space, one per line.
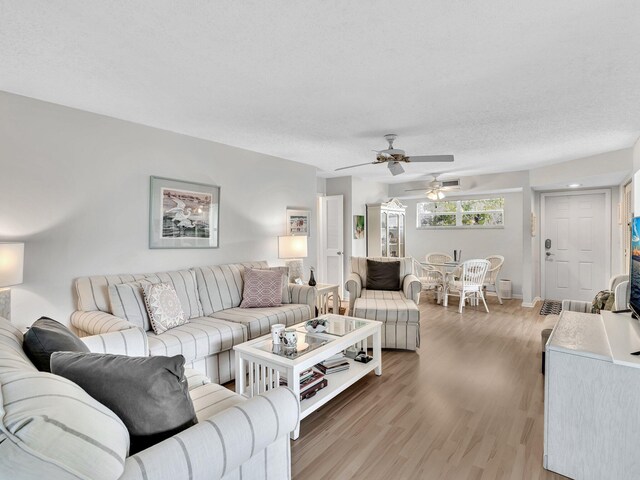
point(551, 307)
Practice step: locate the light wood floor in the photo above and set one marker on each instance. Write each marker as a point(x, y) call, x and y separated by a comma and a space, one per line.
point(468, 405)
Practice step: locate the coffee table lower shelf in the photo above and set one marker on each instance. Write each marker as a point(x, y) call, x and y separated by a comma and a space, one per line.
point(336, 383)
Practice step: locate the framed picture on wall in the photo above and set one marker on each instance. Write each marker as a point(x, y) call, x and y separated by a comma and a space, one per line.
point(298, 222)
point(358, 227)
point(183, 214)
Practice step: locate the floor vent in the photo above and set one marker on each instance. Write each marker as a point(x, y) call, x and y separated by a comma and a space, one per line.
point(551, 307)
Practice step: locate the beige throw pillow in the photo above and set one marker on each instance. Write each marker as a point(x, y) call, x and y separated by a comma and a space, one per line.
point(163, 306)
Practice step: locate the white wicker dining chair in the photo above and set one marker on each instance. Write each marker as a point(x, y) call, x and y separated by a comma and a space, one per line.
point(491, 280)
point(431, 279)
point(470, 285)
point(437, 259)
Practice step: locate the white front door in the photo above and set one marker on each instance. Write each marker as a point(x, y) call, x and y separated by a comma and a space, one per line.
point(331, 241)
point(576, 243)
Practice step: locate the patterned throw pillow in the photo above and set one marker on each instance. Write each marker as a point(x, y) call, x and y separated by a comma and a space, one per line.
point(262, 288)
point(163, 306)
point(286, 294)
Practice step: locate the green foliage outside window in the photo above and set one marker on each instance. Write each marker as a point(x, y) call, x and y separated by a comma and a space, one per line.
point(488, 212)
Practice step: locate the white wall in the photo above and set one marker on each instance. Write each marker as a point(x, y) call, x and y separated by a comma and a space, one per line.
point(74, 187)
point(474, 243)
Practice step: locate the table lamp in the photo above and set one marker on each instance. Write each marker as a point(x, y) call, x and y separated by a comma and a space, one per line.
point(294, 249)
point(11, 268)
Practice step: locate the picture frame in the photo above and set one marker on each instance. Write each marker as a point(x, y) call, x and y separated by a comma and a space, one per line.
point(183, 214)
point(298, 222)
point(358, 227)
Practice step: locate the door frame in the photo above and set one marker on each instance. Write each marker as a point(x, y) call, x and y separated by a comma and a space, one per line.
point(543, 236)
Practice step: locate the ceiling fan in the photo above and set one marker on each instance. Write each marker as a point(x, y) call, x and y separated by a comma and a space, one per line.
point(437, 188)
point(394, 156)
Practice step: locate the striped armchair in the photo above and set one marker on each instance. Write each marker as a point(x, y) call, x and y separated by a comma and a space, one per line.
point(398, 311)
point(52, 429)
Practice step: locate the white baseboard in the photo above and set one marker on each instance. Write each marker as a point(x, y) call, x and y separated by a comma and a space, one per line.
point(532, 304)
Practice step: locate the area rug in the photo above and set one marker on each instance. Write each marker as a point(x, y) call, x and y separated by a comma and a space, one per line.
point(551, 307)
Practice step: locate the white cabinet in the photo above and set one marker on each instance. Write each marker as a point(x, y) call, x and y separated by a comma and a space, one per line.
point(386, 227)
point(592, 406)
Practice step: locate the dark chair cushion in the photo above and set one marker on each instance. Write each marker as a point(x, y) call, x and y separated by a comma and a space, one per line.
point(149, 394)
point(383, 275)
point(46, 336)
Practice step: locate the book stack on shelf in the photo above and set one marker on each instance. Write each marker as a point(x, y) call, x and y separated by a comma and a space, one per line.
point(311, 382)
point(336, 363)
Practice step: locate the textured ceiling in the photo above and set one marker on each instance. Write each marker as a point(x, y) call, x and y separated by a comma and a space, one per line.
point(502, 85)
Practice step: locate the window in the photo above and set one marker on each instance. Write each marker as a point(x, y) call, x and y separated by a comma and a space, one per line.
point(474, 213)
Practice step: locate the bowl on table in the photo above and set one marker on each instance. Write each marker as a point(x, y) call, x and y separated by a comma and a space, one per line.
point(317, 325)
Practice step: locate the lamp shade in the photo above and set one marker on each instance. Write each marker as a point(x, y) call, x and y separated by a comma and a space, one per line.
point(291, 246)
point(11, 263)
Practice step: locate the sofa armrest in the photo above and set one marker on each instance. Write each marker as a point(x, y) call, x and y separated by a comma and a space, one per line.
point(132, 342)
point(577, 306)
point(354, 287)
point(220, 444)
point(93, 323)
point(411, 287)
point(304, 294)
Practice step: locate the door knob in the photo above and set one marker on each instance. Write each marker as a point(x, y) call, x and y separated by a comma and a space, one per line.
point(339, 253)
point(548, 254)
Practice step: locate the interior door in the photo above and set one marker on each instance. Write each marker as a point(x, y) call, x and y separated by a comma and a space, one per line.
point(332, 240)
point(575, 246)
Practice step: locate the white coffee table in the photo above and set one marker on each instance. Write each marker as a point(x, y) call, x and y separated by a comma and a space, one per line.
point(258, 369)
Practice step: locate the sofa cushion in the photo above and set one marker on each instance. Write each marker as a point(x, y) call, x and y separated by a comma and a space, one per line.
point(220, 286)
point(151, 398)
point(262, 288)
point(50, 427)
point(383, 294)
point(213, 398)
point(127, 302)
point(93, 292)
point(259, 320)
point(200, 337)
point(163, 306)
point(46, 336)
point(383, 275)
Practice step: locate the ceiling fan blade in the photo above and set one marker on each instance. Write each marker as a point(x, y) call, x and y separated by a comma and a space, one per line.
point(430, 158)
point(358, 165)
point(418, 189)
point(450, 189)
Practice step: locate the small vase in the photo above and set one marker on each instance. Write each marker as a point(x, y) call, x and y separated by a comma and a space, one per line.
point(312, 280)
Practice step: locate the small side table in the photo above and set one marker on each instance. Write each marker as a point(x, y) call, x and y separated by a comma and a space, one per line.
point(322, 300)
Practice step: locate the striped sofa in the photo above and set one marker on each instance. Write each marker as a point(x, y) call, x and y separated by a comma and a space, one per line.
point(52, 429)
point(210, 297)
point(398, 311)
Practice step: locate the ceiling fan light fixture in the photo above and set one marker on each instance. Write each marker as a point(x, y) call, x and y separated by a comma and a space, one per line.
point(435, 195)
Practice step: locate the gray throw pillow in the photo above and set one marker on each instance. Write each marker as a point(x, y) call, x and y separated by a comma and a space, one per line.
point(383, 275)
point(46, 336)
point(149, 394)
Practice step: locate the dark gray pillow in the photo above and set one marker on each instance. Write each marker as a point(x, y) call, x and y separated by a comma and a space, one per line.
point(383, 275)
point(149, 394)
point(46, 336)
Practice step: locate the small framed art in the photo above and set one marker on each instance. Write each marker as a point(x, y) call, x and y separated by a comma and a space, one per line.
point(298, 222)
